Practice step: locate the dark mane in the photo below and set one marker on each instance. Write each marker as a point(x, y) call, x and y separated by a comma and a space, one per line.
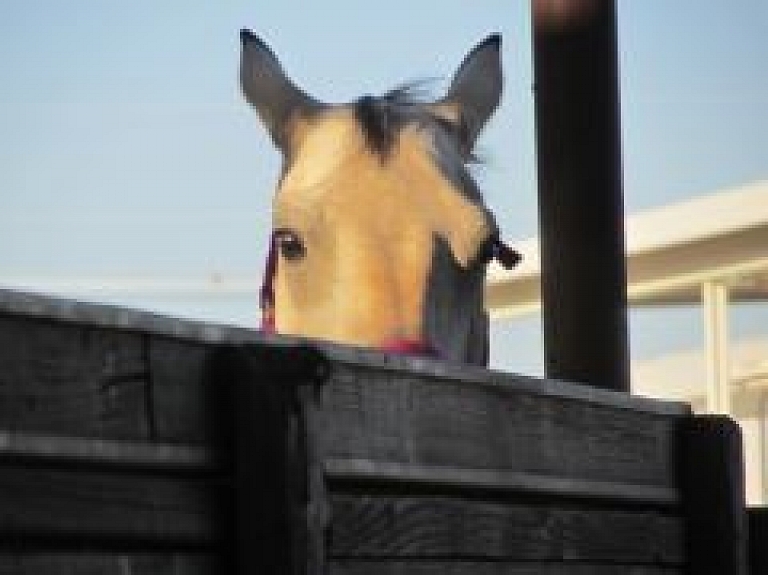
point(381, 119)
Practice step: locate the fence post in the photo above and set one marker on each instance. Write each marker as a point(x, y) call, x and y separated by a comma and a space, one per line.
point(758, 540)
point(712, 479)
point(270, 453)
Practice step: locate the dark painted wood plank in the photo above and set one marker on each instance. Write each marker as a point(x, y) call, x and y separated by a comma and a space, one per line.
point(182, 400)
point(374, 415)
point(35, 307)
point(189, 391)
point(404, 476)
point(93, 452)
point(390, 527)
point(59, 507)
point(270, 454)
point(712, 475)
point(75, 312)
point(74, 380)
point(490, 568)
point(758, 540)
point(80, 563)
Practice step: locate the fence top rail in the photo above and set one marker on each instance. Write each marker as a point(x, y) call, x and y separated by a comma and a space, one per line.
point(43, 307)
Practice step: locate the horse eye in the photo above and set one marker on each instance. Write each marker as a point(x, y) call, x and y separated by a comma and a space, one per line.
point(290, 244)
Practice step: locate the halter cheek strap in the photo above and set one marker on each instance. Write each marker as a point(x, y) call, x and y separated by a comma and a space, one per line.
point(267, 292)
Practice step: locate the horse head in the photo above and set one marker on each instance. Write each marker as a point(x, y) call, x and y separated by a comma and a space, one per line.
point(380, 235)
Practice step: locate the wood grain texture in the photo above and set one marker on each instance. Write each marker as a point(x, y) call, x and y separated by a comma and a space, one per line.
point(392, 527)
point(501, 483)
point(74, 312)
point(82, 563)
point(34, 307)
point(370, 414)
point(58, 507)
point(189, 389)
point(490, 568)
point(113, 424)
point(181, 564)
point(104, 453)
point(181, 397)
point(72, 380)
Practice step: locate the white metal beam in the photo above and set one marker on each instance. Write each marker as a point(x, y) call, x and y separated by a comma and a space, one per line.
point(668, 284)
point(714, 299)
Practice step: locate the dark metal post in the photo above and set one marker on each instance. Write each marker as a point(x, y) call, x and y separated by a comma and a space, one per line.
point(580, 192)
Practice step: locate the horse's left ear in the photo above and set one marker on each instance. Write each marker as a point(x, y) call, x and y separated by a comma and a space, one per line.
point(476, 88)
point(278, 101)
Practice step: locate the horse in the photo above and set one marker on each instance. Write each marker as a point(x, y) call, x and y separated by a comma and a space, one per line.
point(380, 235)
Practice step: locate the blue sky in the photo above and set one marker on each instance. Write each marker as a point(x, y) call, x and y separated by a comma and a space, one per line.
point(125, 147)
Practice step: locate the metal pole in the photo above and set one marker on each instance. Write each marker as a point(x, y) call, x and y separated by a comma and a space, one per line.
point(580, 192)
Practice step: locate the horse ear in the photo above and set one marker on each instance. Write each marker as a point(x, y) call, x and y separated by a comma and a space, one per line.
point(475, 91)
point(278, 101)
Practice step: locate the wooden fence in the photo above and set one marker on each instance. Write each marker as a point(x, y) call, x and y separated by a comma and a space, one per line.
point(142, 445)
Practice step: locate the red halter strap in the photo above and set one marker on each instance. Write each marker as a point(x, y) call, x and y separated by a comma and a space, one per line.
point(410, 347)
point(267, 292)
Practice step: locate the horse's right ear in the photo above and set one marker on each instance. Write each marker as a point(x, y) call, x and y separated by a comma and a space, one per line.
point(279, 102)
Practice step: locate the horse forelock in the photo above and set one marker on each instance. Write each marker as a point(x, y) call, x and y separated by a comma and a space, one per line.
point(381, 120)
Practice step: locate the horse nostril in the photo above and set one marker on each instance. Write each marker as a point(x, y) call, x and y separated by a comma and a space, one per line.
point(290, 244)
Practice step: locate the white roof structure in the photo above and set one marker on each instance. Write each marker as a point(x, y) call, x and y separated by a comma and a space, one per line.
point(711, 249)
point(681, 375)
point(671, 252)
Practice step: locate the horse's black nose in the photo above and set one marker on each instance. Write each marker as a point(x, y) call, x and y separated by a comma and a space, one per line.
point(246, 35)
